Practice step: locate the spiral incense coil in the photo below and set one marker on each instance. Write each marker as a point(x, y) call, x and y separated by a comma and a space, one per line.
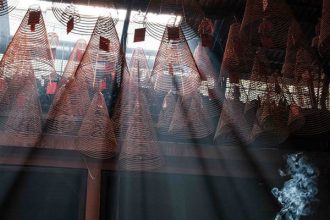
point(24, 118)
point(73, 62)
point(190, 119)
point(271, 127)
point(30, 43)
point(251, 20)
point(293, 44)
point(273, 29)
point(175, 68)
point(139, 69)
point(83, 21)
point(68, 108)
point(324, 40)
point(140, 151)
point(232, 126)
point(7, 6)
point(231, 60)
point(96, 137)
point(305, 78)
point(256, 87)
point(185, 14)
point(103, 58)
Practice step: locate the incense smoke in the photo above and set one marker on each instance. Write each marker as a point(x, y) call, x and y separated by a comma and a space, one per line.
point(299, 192)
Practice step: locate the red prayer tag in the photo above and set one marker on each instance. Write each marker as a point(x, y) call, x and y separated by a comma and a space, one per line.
point(51, 88)
point(207, 40)
point(70, 25)
point(104, 44)
point(170, 69)
point(34, 17)
point(139, 34)
point(295, 110)
point(103, 85)
point(173, 33)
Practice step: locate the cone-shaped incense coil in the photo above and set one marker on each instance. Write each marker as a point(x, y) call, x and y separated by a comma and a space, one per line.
point(187, 14)
point(324, 41)
point(73, 62)
point(256, 86)
point(274, 27)
point(304, 80)
point(231, 62)
point(96, 136)
point(232, 125)
point(140, 151)
point(103, 57)
point(70, 105)
point(175, 68)
point(139, 69)
point(292, 46)
point(190, 119)
point(166, 113)
point(24, 119)
point(30, 42)
point(272, 116)
point(251, 20)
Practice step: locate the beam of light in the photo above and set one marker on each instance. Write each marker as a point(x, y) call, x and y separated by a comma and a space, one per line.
point(299, 192)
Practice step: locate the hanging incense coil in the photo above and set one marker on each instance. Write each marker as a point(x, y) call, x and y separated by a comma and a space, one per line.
point(103, 58)
point(305, 78)
point(185, 14)
point(140, 151)
point(68, 109)
point(251, 20)
point(232, 126)
point(271, 128)
point(83, 18)
point(190, 119)
point(24, 117)
point(256, 87)
point(96, 137)
point(293, 44)
point(123, 109)
point(73, 62)
point(139, 69)
point(7, 6)
point(231, 61)
point(273, 29)
point(175, 68)
point(30, 42)
point(324, 40)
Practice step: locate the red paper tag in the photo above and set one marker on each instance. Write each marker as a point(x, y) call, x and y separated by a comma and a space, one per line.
point(173, 33)
point(103, 85)
point(295, 110)
point(170, 69)
point(70, 25)
point(1, 4)
point(207, 40)
point(51, 88)
point(139, 34)
point(104, 44)
point(34, 17)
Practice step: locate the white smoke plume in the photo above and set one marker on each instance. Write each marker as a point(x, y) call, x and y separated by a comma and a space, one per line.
point(299, 192)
